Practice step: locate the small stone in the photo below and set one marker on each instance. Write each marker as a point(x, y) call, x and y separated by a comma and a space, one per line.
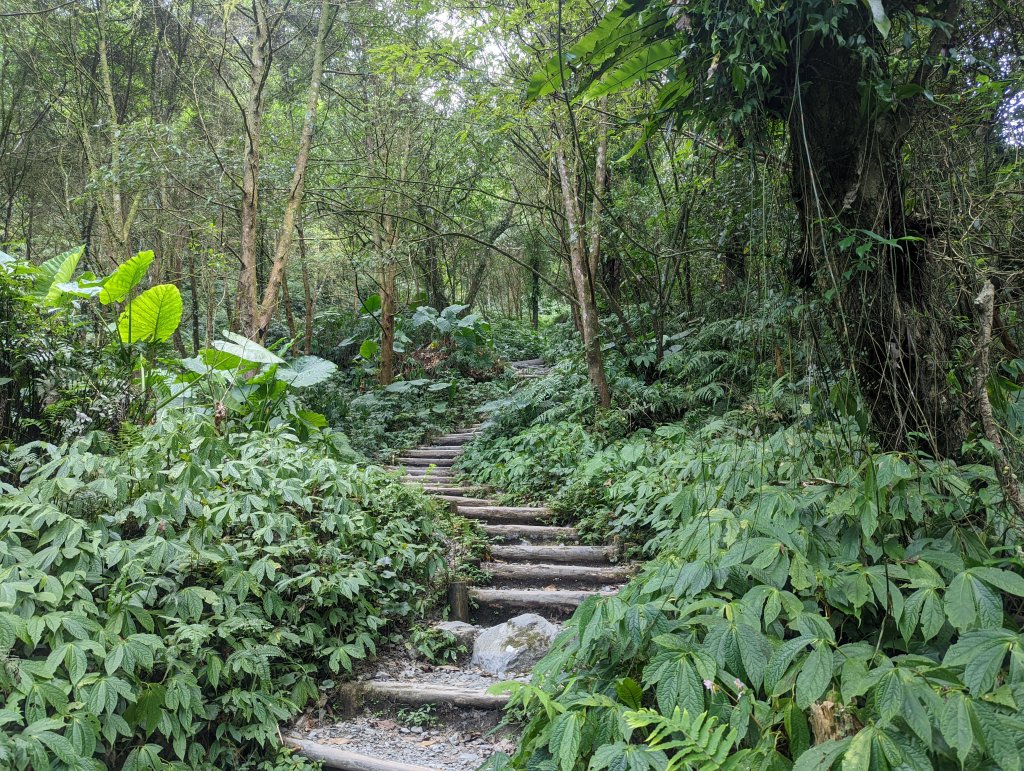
point(465, 633)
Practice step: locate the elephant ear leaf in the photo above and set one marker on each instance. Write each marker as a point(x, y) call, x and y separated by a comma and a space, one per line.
point(880, 17)
point(55, 271)
point(153, 316)
point(125, 278)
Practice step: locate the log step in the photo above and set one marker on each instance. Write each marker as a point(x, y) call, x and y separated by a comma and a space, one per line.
point(528, 363)
point(418, 462)
point(417, 693)
point(461, 500)
point(451, 490)
point(343, 760)
point(413, 471)
point(578, 576)
point(536, 533)
point(519, 514)
point(572, 555)
point(564, 600)
point(455, 440)
point(434, 452)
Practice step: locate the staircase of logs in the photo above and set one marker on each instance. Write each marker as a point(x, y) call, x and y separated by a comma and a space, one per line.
point(535, 567)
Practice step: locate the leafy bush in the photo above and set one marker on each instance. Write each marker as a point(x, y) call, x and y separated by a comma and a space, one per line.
point(816, 606)
point(173, 603)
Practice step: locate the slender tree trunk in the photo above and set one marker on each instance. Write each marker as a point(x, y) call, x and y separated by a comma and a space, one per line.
point(252, 116)
point(295, 191)
point(535, 289)
point(579, 271)
point(387, 324)
point(307, 292)
point(288, 315)
point(194, 292)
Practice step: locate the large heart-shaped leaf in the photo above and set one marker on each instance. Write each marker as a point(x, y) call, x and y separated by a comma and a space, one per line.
point(152, 316)
point(248, 351)
point(125, 278)
point(307, 371)
point(56, 270)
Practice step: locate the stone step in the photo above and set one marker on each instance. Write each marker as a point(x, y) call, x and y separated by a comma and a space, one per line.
point(550, 603)
point(520, 514)
point(563, 576)
point(434, 452)
point(533, 533)
point(572, 555)
point(421, 462)
point(416, 693)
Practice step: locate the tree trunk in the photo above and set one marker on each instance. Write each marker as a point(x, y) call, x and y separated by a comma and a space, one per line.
point(579, 270)
point(307, 292)
point(295, 191)
point(387, 324)
point(248, 296)
point(846, 169)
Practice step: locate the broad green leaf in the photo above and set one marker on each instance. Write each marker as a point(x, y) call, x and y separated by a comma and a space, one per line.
point(371, 305)
point(247, 353)
point(649, 60)
point(55, 271)
point(306, 371)
point(879, 16)
point(125, 278)
point(815, 676)
point(368, 349)
point(153, 316)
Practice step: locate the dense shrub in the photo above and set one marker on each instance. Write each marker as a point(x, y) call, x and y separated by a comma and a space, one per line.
point(175, 601)
point(808, 598)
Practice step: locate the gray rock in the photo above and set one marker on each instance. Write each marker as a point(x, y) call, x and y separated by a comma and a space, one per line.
point(514, 646)
point(466, 633)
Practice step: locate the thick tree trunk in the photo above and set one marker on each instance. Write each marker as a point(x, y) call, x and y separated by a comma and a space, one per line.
point(846, 171)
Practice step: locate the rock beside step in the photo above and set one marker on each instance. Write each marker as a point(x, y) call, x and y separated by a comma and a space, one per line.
point(514, 646)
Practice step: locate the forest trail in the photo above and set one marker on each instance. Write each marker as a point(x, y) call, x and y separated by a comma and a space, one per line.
point(535, 568)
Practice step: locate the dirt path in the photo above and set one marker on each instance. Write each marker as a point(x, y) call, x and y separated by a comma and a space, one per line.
point(535, 568)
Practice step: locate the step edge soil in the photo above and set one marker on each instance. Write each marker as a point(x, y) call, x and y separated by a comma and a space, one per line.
point(346, 760)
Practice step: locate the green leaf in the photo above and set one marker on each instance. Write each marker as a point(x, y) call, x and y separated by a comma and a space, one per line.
point(125, 278)
point(566, 733)
point(815, 676)
point(649, 60)
point(153, 316)
point(57, 270)
point(368, 349)
point(246, 350)
point(371, 305)
point(821, 756)
point(629, 692)
point(879, 16)
point(858, 754)
point(307, 371)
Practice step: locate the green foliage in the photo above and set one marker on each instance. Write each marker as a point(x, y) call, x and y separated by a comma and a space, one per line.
point(438, 646)
point(174, 602)
point(824, 604)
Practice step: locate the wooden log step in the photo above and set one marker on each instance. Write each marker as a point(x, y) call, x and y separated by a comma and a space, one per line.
point(427, 471)
point(572, 555)
point(420, 462)
point(578, 576)
point(417, 693)
point(434, 452)
point(520, 514)
point(535, 533)
point(343, 760)
point(454, 440)
point(461, 500)
point(530, 599)
point(456, 490)
point(529, 363)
